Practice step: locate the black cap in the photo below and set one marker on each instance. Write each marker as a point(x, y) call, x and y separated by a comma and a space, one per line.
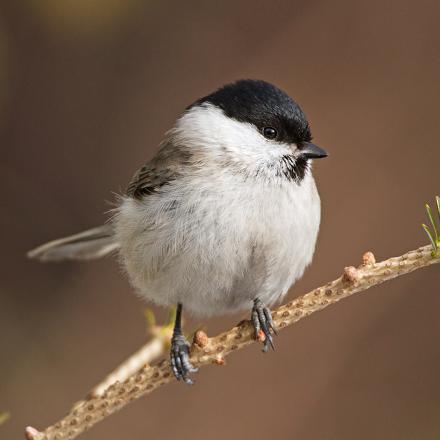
point(263, 105)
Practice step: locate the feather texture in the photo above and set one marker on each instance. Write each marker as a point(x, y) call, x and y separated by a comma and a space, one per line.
point(231, 227)
point(87, 245)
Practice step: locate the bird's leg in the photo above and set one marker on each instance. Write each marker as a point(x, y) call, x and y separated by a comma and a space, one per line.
point(179, 355)
point(262, 322)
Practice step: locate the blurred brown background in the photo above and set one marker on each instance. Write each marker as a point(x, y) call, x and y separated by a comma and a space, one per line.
point(87, 88)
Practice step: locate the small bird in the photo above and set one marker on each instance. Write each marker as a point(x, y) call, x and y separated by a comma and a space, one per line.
point(225, 216)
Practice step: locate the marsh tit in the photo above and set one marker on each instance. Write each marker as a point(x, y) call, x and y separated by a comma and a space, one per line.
point(225, 216)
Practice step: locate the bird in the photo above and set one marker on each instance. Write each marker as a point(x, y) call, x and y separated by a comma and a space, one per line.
point(223, 218)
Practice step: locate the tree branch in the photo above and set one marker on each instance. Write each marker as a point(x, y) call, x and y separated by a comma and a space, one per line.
point(206, 350)
point(147, 354)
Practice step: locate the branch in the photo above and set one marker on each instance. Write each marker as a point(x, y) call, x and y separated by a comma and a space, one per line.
point(206, 350)
point(148, 353)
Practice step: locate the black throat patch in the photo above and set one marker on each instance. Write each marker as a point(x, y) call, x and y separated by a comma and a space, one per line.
point(294, 168)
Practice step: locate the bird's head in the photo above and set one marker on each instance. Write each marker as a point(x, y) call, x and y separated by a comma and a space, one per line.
point(252, 127)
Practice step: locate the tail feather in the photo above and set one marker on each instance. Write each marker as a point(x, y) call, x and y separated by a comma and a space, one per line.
point(87, 245)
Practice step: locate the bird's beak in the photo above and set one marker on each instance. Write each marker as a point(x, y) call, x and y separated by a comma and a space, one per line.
point(312, 151)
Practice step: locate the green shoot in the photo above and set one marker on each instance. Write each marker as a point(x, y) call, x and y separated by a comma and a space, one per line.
point(433, 234)
point(164, 328)
point(149, 318)
point(171, 317)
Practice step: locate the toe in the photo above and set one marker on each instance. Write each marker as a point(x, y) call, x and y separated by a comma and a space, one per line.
point(179, 360)
point(187, 367)
point(186, 364)
point(271, 324)
point(256, 323)
point(268, 340)
point(178, 372)
point(263, 323)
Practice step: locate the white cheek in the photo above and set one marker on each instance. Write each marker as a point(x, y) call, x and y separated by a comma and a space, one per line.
point(208, 129)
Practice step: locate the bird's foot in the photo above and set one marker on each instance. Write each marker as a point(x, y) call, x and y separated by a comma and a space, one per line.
point(263, 324)
point(179, 359)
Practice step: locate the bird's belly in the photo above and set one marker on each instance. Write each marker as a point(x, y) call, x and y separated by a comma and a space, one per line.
point(226, 253)
point(280, 255)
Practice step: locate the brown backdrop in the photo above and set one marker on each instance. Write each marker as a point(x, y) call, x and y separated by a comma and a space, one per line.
point(87, 88)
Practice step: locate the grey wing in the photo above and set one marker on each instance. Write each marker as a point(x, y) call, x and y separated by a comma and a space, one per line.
point(169, 163)
point(149, 179)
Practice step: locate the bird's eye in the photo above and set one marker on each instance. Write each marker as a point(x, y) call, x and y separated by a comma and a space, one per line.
point(270, 133)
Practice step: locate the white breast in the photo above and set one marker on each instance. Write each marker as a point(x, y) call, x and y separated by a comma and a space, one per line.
point(216, 242)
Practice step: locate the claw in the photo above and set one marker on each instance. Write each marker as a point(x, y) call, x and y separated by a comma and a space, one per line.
point(179, 359)
point(263, 322)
